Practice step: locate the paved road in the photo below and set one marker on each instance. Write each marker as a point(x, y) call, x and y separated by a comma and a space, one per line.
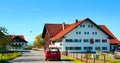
point(35, 57)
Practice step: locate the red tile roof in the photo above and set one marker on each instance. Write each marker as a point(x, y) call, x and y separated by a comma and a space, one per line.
point(56, 32)
point(13, 37)
point(68, 29)
point(112, 41)
point(54, 28)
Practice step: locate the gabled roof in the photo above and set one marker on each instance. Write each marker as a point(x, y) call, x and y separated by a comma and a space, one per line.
point(18, 38)
point(55, 30)
point(112, 41)
point(72, 26)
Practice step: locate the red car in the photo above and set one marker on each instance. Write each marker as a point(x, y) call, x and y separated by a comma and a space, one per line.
point(52, 53)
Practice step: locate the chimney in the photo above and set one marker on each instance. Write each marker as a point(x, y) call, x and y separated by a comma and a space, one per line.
point(76, 21)
point(63, 26)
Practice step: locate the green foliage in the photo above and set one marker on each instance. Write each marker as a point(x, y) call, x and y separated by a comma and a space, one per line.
point(5, 40)
point(28, 47)
point(38, 41)
point(9, 56)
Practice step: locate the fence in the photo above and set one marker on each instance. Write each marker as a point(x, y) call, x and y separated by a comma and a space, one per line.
point(91, 57)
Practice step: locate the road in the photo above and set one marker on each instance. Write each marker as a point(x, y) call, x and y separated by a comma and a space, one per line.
point(35, 57)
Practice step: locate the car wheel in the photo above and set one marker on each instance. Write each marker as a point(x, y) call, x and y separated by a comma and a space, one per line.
point(46, 59)
point(59, 59)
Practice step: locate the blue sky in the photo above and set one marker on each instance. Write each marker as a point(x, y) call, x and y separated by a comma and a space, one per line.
point(21, 17)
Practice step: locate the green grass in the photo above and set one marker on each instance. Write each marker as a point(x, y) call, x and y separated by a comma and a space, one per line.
point(109, 59)
point(9, 56)
point(73, 60)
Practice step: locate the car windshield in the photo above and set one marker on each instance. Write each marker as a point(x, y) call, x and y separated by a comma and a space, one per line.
point(53, 49)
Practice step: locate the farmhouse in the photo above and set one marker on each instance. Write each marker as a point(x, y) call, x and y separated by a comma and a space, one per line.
point(80, 36)
point(18, 43)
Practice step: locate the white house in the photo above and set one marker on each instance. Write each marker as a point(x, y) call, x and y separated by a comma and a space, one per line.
point(81, 36)
point(18, 43)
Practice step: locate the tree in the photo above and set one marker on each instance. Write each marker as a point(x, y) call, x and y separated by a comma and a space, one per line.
point(5, 40)
point(38, 41)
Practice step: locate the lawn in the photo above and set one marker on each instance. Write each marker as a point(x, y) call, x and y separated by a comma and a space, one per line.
point(9, 56)
point(73, 60)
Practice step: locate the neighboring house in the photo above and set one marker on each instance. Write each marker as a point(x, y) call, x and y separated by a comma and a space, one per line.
point(18, 43)
point(81, 36)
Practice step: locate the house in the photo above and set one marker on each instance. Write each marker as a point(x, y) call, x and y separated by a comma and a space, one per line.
point(18, 43)
point(81, 36)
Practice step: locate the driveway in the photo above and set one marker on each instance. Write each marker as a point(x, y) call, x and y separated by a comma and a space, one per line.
point(35, 57)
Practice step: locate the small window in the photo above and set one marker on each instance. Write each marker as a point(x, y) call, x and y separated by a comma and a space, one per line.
point(95, 33)
point(97, 40)
point(91, 26)
point(88, 26)
point(80, 25)
point(67, 40)
point(85, 33)
point(86, 40)
point(79, 40)
point(77, 48)
point(97, 48)
point(70, 40)
point(79, 32)
point(83, 25)
point(76, 40)
point(76, 33)
point(104, 48)
point(85, 48)
point(104, 40)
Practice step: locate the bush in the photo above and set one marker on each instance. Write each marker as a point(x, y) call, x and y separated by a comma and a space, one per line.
point(9, 56)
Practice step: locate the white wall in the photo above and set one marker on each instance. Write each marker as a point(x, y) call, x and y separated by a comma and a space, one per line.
point(72, 35)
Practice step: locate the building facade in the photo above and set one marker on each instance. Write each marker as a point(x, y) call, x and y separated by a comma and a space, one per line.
point(81, 36)
point(18, 43)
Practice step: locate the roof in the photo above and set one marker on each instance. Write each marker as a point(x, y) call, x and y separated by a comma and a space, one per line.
point(18, 38)
point(53, 29)
point(112, 41)
point(56, 31)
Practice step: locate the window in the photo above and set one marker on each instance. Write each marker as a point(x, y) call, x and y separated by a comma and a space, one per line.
point(67, 40)
point(76, 33)
point(76, 40)
point(104, 48)
point(104, 40)
point(88, 26)
point(88, 48)
point(80, 25)
point(79, 40)
point(94, 33)
point(77, 48)
point(73, 48)
point(97, 48)
point(86, 33)
point(86, 40)
point(91, 26)
point(83, 25)
point(97, 40)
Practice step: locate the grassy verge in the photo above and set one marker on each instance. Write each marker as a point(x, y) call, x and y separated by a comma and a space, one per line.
point(73, 60)
point(9, 56)
point(109, 59)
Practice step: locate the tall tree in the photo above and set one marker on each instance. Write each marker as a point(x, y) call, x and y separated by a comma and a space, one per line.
point(38, 41)
point(5, 40)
